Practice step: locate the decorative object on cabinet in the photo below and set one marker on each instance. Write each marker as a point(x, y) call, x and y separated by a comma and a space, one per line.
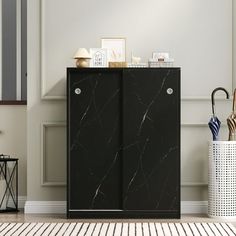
point(117, 64)
point(139, 65)
point(131, 167)
point(231, 121)
point(8, 184)
point(136, 62)
point(82, 57)
point(116, 49)
point(160, 59)
point(160, 56)
point(214, 123)
point(99, 57)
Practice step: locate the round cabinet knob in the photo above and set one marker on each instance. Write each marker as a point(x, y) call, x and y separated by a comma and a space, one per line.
point(78, 91)
point(169, 91)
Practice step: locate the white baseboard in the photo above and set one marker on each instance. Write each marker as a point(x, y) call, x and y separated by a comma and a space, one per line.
point(45, 207)
point(59, 207)
point(21, 202)
point(194, 207)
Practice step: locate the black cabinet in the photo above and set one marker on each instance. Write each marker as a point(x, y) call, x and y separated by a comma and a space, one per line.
point(123, 142)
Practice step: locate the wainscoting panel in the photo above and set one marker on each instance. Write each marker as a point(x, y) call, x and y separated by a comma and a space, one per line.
point(194, 152)
point(53, 154)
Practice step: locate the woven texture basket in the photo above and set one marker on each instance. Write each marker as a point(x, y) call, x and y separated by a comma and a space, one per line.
point(222, 179)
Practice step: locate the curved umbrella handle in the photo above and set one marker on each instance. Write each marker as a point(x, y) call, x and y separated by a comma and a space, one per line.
point(213, 98)
point(234, 101)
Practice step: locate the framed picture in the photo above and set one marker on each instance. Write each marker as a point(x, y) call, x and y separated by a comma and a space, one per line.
point(115, 49)
point(99, 57)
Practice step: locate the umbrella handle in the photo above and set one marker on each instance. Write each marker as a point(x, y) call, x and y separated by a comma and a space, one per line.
point(213, 97)
point(234, 101)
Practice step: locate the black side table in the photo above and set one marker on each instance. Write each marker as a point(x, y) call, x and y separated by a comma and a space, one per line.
point(9, 184)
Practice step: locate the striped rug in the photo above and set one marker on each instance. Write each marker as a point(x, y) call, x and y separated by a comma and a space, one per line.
point(117, 229)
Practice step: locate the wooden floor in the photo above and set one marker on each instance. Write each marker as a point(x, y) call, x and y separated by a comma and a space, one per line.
point(21, 217)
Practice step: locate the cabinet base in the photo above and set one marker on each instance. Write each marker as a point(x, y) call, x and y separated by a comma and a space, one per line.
point(123, 214)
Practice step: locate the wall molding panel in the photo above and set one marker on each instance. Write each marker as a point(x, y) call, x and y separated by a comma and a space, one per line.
point(45, 95)
point(44, 181)
point(47, 86)
point(190, 157)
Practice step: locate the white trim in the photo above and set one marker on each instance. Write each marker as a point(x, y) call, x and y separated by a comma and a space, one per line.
point(59, 207)
point(194, 207)
point(1, 50)
point(45, 125)
point(43, 93)
point(21, 202)
point(45, 207)
point(18, 50)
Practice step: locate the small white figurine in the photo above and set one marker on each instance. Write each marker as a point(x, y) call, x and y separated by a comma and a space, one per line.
point(135, 60)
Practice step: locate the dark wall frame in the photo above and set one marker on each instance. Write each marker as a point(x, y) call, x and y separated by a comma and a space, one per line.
point(9, 53)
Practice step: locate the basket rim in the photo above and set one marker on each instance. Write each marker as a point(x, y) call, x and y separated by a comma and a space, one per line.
point(221, 142)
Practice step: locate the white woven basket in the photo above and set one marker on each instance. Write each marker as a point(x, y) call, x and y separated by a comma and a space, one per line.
point(222, 179)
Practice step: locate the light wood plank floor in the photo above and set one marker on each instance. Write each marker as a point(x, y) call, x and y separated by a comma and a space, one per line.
point(21, 217)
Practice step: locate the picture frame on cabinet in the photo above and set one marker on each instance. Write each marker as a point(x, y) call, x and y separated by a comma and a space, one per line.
point(116, 49)
point(99, 57)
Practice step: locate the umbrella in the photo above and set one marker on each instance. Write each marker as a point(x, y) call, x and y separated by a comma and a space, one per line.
point(214, 123)
point(231, 121)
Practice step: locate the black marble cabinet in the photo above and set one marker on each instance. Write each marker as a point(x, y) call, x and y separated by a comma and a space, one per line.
point(123, 142)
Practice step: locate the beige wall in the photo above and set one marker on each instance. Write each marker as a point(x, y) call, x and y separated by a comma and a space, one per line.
point(13, 139)
point(198, 34)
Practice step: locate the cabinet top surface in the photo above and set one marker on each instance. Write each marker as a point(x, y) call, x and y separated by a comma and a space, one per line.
point(121, 68)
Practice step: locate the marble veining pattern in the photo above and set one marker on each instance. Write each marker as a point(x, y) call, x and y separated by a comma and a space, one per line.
point(124, 140)
point(151, 103)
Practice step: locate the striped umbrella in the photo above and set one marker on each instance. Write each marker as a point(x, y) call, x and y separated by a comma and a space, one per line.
point(231, 121)
point(214, 123)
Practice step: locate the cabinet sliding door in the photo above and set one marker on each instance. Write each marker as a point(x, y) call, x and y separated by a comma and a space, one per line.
point(94, 144)
point(151, 134)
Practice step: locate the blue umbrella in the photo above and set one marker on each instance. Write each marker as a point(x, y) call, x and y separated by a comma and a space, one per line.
point(214, 123)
